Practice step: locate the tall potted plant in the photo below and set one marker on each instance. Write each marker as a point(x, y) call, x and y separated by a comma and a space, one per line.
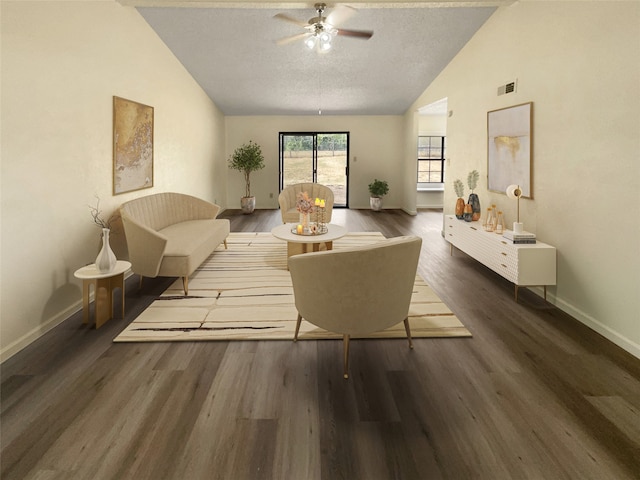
point(377, 190)
point(246, 159)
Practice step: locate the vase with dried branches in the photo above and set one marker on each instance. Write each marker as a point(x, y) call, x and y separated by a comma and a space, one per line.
point(459, 188)
point(474, 201)
point(106, 259)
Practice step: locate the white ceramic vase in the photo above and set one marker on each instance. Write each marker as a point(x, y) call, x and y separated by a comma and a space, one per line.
point(106, 259)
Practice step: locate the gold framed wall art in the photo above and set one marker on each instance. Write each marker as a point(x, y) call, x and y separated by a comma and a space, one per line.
point(132, 146)
point(509, 148)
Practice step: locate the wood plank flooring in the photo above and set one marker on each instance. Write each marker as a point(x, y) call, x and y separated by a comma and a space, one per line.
point(533, 395)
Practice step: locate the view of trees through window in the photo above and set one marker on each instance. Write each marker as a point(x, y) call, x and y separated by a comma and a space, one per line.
point(316, 157)
point(431, 153)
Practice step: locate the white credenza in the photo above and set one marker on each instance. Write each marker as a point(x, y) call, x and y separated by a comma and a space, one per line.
point(524, 265)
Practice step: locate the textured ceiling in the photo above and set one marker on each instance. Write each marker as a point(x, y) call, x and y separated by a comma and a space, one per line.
point(232, 54)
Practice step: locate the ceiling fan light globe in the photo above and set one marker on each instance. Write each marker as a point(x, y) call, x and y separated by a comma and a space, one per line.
point(325, 37)
point(325, 47)
point(310, 42)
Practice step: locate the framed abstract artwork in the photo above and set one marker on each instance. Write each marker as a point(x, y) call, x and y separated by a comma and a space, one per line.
point(509, 148)
point(132, 146)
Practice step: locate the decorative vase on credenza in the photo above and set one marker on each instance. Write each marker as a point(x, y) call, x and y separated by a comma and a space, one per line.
point(458, 186)
point(460, 208)
point(468, 213)
point(474, 201)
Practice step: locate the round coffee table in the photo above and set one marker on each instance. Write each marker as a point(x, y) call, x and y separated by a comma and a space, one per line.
point(297, 244)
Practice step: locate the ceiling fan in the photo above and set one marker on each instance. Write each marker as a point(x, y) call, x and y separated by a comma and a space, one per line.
point(320, 30)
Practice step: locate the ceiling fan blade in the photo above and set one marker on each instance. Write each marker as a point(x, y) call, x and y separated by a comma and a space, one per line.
point(364, 34)
point(292, 38)
point(287, 18)
point(340, 14)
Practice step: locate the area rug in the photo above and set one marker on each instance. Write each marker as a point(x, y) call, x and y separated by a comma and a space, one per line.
point(245, 293)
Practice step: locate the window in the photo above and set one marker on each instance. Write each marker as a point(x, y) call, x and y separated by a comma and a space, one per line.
point(431, 152)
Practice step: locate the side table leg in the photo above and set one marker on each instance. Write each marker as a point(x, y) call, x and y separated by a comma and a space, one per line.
point(86, 291)
point(103, 301)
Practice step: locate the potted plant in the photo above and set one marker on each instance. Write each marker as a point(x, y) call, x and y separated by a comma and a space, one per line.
point(458, 186)
point(246, 159)
point(377, 189)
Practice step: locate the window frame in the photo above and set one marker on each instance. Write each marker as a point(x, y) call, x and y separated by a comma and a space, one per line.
point(439, 185)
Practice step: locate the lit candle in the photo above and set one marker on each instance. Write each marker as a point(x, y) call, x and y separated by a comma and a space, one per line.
point(322, 203)
point(299, 229)
point(317, 201)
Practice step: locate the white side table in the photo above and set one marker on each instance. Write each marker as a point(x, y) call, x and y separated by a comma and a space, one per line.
point(103, 286)
point(297, 244)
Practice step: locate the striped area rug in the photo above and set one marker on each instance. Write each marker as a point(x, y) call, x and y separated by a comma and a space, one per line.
point(245, 293)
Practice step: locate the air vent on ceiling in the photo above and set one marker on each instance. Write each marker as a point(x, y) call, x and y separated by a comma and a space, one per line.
point(508, 88)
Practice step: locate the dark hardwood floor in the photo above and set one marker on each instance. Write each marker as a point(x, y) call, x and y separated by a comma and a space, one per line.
point(533, 395)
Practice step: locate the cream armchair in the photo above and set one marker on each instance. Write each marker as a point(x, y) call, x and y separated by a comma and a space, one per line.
point(289, 195)
point(356, 291)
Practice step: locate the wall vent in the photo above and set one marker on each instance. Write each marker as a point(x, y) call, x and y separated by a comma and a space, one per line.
point(508, 88)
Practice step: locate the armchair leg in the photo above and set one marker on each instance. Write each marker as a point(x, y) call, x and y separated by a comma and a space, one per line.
point(225, 244)
point(185, 285)
point(295, 337)
point(408, 330)
point(345, 342)
point(140, 285)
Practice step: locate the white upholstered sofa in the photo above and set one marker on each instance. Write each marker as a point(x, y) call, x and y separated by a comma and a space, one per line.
point(171, 234)
point(289, 195)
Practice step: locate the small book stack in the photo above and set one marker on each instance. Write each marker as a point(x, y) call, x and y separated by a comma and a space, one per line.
point(522, 237)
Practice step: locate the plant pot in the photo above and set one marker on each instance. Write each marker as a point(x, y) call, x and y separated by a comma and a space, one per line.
point(248, 204)
point(375, 203)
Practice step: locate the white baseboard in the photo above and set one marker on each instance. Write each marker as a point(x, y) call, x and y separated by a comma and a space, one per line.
point(30, 337)
point(611, 335)
point(410, 212)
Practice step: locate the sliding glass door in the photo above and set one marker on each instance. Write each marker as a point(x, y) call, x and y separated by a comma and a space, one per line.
point(316, 157)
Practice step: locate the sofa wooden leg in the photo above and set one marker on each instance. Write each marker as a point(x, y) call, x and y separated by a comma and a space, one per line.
point(185, 285)
point(295, 336)
point(408, 330)
point(140, 284)
point(225, 244)
point(345, 341)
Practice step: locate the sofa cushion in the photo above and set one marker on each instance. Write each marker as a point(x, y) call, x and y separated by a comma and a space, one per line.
point(190, 243)
point(185, 237)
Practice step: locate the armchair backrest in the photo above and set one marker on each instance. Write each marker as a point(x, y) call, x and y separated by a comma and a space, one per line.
point(289, 195)
point(358, 290)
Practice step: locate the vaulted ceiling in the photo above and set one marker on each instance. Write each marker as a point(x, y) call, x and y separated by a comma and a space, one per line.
point(231, 50)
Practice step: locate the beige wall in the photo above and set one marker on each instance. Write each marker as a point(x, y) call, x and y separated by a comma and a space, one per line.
point(376, 151)
point(578, 62)
point(62, 63)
